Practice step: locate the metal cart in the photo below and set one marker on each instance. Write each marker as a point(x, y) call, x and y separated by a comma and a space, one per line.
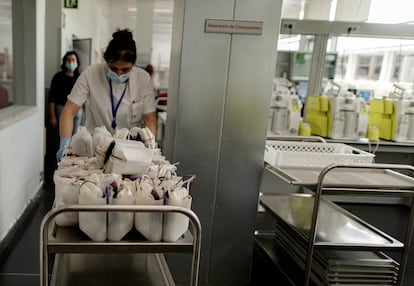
point(133, 252)
point(318, 217)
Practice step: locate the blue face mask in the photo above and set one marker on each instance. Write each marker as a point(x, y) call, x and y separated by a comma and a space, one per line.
point(115, 78)
point(71, 66)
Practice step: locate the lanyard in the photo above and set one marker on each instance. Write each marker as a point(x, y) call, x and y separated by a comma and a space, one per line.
point(115, 108)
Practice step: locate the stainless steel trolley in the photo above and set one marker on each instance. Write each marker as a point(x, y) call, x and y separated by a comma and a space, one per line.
point(69, 240)
point(385, 180)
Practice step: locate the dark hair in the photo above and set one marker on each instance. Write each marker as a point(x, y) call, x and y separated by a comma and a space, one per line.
point(150, 69)
point(121, 47)
point(63, 65)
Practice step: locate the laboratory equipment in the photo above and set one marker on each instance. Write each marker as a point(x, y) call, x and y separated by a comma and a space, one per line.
point(340, 114)
point(347, 114)
point(394, 116)
point(285, 108)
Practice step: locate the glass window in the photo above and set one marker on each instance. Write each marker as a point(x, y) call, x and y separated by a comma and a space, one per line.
point(375, 63)
point(18, 59)
point(361, 62)
point(376, 11)
point(294, 58)
point(6, 59)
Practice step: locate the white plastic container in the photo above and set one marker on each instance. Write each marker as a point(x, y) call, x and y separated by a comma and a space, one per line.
point(175, 224)
point(149, 224)
point(120, 223)
point(67, 184)
point(129, 158)
point(311, 154)
point(93, 224)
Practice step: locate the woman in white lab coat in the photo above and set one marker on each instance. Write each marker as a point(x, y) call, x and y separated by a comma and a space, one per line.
point(116, 94)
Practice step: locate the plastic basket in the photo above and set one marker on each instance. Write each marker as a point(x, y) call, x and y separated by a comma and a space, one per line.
point(311, 154)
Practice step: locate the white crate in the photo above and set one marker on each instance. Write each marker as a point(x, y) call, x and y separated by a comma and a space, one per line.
point(313, 154)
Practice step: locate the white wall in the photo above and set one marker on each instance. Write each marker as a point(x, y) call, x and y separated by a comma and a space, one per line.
point(84, 22)
point(21, 145)
point(21, 164)
point(53, 39)
point(87, 21)
point(98, 20)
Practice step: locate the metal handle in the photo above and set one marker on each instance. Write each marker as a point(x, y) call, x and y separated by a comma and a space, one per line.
point(296, 138)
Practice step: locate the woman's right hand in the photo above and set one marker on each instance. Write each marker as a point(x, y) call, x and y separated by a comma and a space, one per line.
point(62, 146)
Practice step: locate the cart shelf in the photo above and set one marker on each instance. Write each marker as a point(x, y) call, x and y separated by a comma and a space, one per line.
point(336, 226)
point(80, 269)
point(366, 177)
point(73, 240)
point(68, 242)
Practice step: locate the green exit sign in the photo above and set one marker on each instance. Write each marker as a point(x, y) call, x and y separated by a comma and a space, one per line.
point(70, 3)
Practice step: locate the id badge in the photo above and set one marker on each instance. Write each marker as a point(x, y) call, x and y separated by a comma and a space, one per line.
point(136, 111)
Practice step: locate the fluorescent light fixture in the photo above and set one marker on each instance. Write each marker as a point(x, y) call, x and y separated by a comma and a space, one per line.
point(156, 10)
point(332, 11)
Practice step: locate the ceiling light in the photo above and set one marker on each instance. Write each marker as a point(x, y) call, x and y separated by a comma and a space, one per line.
point(132, 9)
point(162, 11)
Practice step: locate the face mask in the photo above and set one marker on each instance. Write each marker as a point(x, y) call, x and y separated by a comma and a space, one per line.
point(71, 66)
point(115, 78)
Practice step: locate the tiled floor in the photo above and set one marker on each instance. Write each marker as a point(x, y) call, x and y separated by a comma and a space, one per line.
point(21, 268)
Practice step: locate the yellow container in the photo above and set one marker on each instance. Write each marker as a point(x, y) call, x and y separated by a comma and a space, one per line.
point(304, 129)
point(373, 133)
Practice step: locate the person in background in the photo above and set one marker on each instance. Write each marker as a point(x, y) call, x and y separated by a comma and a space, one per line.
point(150, 69)
point(62, 83)
point(115, 94)
point(4, 97)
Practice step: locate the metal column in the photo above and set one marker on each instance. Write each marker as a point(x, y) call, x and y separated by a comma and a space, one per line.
point(219, 94)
